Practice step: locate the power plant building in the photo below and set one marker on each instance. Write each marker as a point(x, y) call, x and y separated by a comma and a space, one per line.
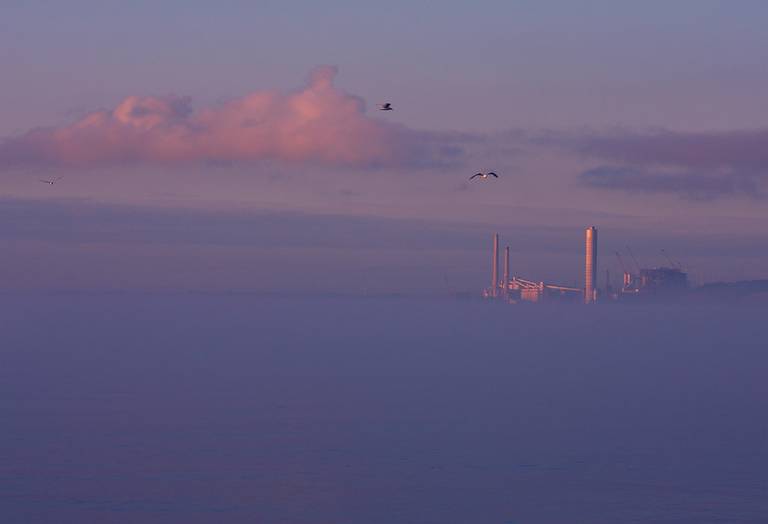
point(657, 282)
point(516, 289)
point(529, 291)
point(663, 279)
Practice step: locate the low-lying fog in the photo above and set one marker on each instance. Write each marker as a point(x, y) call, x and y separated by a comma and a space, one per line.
point(238, 409)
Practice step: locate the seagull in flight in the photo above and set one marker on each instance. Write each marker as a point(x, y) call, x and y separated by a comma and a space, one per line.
point(52, 180)
point(484, 175)
point(385, 107)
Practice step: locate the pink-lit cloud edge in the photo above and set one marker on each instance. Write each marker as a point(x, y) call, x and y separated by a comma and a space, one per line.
point(318, 124)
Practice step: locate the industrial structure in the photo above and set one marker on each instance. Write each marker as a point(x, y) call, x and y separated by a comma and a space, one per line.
point(495, 267)
point(655, 282)
point(590, 265)
point(516, 289)
point(506, 273)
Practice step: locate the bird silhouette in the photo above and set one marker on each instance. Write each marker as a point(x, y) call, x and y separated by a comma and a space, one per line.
point(385, 107)
point(51, 181)
point(484, 176)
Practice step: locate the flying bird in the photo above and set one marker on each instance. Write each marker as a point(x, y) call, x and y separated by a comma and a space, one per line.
point(51, 181)
point(385, 107)
point(484, 175)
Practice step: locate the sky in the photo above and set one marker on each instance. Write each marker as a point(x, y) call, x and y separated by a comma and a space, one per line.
point(239, 146)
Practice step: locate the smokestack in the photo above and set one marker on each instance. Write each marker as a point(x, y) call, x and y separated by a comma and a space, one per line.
point(590, 265)
point(506, 271)
point(495, 267)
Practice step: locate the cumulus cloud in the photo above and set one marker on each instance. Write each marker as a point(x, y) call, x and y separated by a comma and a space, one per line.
point(318, 124)
point(691, 165)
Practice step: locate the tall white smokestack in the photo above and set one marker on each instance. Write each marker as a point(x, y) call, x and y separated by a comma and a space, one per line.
point(495, 267)
point(590, 265)
point(506, 271)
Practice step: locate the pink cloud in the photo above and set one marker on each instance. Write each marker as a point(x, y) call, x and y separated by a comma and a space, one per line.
point(318, 124)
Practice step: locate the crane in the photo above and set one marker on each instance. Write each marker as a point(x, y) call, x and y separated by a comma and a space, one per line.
point(621, 261)
point(629, 250)
point(672, 263)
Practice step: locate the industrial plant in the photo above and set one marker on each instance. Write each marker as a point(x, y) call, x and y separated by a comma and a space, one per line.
point(643, 283)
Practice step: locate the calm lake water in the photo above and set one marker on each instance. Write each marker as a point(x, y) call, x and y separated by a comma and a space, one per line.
point(238, 409)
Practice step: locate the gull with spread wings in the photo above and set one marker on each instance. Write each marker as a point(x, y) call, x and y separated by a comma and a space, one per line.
point(484, 176)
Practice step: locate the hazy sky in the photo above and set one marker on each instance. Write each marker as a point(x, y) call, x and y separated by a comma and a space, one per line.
point(643, 119)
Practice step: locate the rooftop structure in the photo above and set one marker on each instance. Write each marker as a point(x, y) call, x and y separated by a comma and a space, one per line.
point(529, 291)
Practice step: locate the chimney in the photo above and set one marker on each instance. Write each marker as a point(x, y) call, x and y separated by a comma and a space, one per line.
point(590, 265)
point(495, 267)
point(506, 272)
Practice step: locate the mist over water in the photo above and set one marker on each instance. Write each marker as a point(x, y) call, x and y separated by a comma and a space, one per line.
point(239, 409)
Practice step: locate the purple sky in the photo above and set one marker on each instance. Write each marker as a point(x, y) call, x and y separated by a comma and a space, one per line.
point(259, 125)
